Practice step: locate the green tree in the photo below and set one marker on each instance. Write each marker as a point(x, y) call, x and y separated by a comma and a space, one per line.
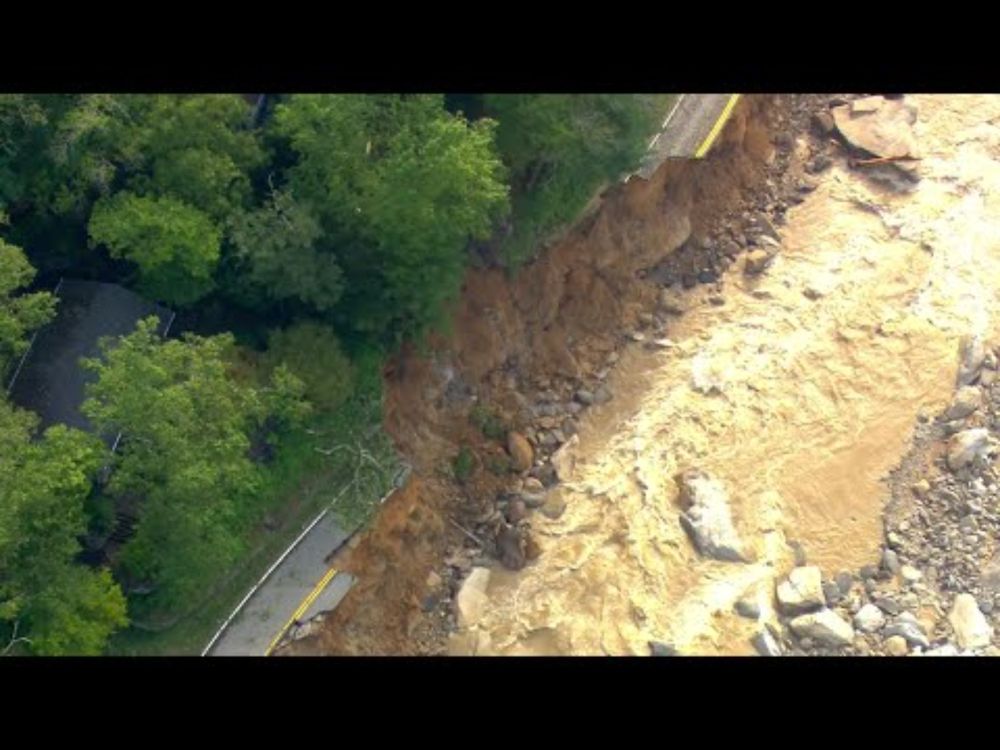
point(175, 246)
point(561, 148)
point(60, 606)
point(19, 315)
point(187, 425)
point(401, 186)
point(312, 353)
point(279, 249)
point(198, 148)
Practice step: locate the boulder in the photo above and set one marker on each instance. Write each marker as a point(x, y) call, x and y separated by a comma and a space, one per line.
point(869, 619)
point(823, 122)
point(895, 645)
point(521, 453)
point(881, 127)
point(967, 400)
point(907, 627)
point(765, 644)
point(825, 626)
point(564, 460)
point(533, 499)
point(659, 648)
point(670, 302)
point(802, 591)
point(748, 607)
point(554, 506)
point(470, 603)
point(970, 625)
point(512, 548)
point(706, 517)
point(972, 355)
point(965, 446)
point(756, 261)
point(909, 574)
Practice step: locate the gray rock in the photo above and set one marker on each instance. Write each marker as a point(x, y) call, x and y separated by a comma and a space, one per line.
point(972, 353)
point(801, 591)
point(869, 619)
point(602, 395)
point(531, 484)
point(965, 446)
point(844, 581)
point(889, 606)
point(658, 648)
point(765, 644)
point(868, 571)
point(970, 625)
point(825, 626)
point(906, 626)
point(831, 593)
point(748, 607)
point(584, 396)
point(533, 499)
point(890, 561)
point(966, 401)
point(707, 518)
point(823, 122)
point(800, 554)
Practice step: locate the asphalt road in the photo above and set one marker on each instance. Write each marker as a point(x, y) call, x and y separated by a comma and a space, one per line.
point(689, 129)
point(301, 587)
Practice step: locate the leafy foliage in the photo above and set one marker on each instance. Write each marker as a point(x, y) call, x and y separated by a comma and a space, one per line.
point(401, 186)
point(19, 315)
point(59, 605)
point(187, 425)
point(560, 148)
point(312, 353)
point(278, 247)
point(175, 246)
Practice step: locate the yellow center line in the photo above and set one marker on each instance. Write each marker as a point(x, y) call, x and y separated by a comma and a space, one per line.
point(717, 128)
point(301, 609)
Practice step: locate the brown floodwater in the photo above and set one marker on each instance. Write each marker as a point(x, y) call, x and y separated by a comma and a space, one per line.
point(820, 368)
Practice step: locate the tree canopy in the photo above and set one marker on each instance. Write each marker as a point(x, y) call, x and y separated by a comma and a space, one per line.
point(21, 314)
point(560, 148)
point(61, 606)
point(175, 246)
point(188, 426)
point(401, 186)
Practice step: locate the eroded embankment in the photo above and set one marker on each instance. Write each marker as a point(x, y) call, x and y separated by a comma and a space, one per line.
point(797, 389)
